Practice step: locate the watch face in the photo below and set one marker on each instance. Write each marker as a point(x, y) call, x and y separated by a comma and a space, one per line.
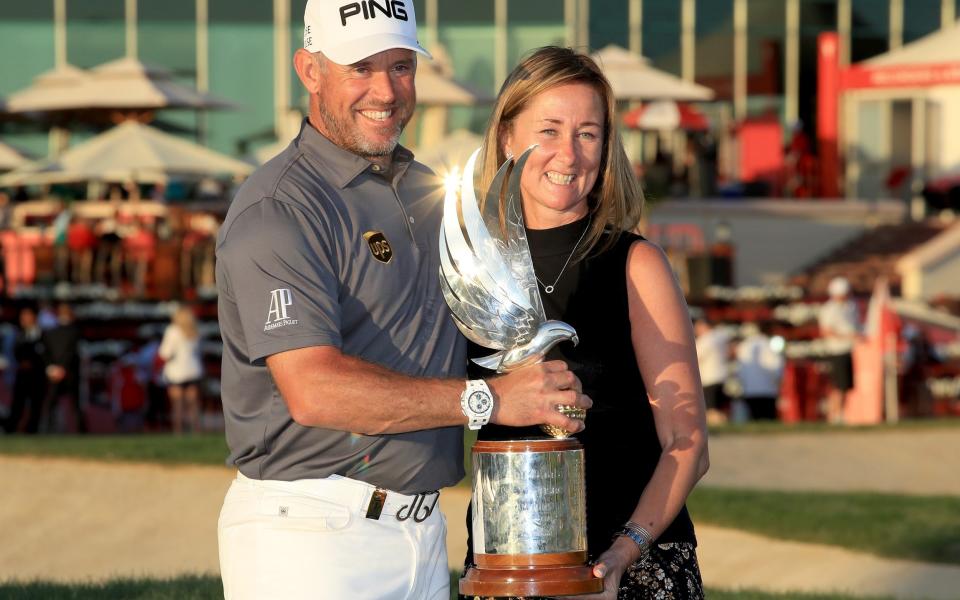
point(479, 401)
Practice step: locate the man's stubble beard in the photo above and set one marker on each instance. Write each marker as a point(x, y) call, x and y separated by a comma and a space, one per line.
point(348, 136)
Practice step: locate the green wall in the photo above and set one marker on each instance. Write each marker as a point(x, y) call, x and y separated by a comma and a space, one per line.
point(241, 47)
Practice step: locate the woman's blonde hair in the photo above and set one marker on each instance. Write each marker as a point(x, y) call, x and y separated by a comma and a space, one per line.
point(184, 319)
point(616, 200)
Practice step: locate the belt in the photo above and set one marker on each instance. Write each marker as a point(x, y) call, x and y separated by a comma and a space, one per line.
point(371, 501)
point(418, 507)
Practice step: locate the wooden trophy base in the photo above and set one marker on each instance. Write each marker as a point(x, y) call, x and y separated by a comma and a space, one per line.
point(530, 581)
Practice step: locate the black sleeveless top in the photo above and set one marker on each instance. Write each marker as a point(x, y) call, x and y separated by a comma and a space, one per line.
point(621, 448)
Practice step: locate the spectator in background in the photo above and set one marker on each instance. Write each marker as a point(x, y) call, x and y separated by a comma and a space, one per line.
point(82, 241)
point(6, 211)
point(46, 316)
point(28, 385)
point(209, 189)
point(159, 193)
point(61, 252)
point(759, 368)
point(918, 356)
point(658, 176)
point(139, 249)
point(839, 327)
point(150, 373)
point(713, 350)
point(62, 367)
point(183, 370)
point(6, 218)
point(109, 259)
point(199, 249)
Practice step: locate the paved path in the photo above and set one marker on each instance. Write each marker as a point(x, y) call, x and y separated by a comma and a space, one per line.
point(921, 461)
point(733, 559)
point(67, 520)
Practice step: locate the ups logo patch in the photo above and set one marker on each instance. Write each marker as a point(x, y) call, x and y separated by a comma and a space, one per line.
point(379, 246)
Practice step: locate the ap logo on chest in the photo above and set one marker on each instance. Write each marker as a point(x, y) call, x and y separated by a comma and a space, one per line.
point(379, 246)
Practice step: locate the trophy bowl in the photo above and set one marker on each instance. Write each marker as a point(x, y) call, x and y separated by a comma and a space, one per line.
point(529, 520)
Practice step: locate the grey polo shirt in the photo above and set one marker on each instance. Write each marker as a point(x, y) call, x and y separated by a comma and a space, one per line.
point(319, 248)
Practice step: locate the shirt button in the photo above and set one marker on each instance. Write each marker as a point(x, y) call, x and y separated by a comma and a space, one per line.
point(411, 219)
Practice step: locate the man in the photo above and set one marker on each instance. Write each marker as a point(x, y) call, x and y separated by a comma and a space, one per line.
point(839, 327)
point(28, 387)
point(343, 373)
point(713, 349)
point(61, 355)
point(759, 369)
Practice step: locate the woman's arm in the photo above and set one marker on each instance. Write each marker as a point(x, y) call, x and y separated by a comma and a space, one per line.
point(666, 354)
point(663, 342)
point(168, 344)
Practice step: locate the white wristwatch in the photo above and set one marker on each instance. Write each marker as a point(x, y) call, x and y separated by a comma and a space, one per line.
point(476, 402)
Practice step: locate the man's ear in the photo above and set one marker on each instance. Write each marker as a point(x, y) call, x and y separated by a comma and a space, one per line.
point(308, 70)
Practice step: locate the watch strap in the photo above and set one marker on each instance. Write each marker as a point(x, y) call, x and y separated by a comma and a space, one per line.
point(476, 420)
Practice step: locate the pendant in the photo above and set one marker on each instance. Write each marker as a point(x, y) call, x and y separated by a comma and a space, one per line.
point(548, 289)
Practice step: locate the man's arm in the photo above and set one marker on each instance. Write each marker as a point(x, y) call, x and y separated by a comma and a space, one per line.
point(325, 388)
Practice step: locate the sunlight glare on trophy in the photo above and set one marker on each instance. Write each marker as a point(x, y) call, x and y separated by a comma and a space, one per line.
point(451, 181)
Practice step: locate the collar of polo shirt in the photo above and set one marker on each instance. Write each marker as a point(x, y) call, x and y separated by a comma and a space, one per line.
point(344, 166)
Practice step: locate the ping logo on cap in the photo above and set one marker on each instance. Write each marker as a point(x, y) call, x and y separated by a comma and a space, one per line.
point(394, 9)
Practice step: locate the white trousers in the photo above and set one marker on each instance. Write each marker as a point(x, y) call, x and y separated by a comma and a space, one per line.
point(311, 540)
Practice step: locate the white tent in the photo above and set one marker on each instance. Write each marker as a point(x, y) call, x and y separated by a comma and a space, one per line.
point(900, 109)
point(130, 151)
point(10, 157)
point(138, 85)
point(123, 84)
point(52, 90)
point(632, 78)
point(942, 46)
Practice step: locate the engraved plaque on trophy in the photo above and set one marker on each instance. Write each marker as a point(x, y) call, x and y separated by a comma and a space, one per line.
point(529, 512)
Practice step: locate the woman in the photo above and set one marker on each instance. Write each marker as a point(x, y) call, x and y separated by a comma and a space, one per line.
point(645, 441)
point(180, 348)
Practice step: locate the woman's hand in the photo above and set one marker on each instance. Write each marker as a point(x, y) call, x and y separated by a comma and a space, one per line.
point(611, 566)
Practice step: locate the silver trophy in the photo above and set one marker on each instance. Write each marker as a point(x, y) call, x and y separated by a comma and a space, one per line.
point(487, 276)
point(529, 519)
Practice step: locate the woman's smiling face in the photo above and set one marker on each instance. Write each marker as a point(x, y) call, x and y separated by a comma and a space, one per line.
point(566, 123)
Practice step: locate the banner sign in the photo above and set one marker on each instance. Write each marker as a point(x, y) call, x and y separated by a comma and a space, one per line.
point(929, 75)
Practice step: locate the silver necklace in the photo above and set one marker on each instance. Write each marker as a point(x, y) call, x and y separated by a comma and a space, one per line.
point(549, 288)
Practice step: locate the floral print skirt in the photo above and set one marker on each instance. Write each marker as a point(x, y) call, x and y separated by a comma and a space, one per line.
point(669, 572)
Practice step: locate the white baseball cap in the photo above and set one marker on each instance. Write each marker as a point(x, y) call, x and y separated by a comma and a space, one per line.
point(348, 32)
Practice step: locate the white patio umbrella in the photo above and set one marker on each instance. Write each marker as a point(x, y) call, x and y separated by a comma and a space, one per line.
point(129, 151)
point(632, 78)
point(666, 115)
point(52, 90)
point(123, 84)
point(10, 157)
point(127, 82)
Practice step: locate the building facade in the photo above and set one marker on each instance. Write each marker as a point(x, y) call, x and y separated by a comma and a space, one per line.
point(758, 55)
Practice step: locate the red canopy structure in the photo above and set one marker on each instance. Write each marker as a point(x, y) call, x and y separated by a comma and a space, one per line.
point(666, 115)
